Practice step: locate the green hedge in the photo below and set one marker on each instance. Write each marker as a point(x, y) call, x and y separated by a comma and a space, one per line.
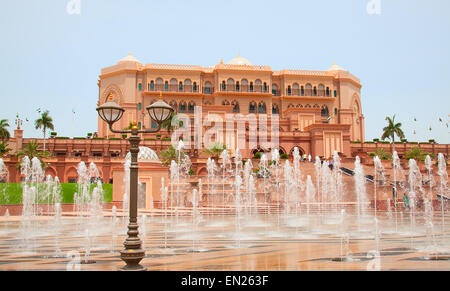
point(11, 193)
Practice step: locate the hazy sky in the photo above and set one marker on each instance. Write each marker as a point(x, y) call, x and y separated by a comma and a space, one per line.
point(51, 59)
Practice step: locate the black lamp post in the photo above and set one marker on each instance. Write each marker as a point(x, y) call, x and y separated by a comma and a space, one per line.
point(111, 112)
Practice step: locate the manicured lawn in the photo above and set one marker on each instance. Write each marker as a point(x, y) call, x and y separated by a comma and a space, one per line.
point(11, 193)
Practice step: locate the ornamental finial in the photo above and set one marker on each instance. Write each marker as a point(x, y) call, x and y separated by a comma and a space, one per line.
point(134, 127)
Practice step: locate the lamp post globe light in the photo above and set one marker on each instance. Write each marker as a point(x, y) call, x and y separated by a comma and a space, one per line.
point(111, 112)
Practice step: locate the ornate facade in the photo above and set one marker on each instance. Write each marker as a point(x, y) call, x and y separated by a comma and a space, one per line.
point(319, 111)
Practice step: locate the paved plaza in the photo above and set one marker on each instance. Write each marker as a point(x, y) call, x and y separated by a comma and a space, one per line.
point(217, 243)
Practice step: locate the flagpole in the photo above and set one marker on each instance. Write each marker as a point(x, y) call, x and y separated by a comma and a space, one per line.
point(73, 123)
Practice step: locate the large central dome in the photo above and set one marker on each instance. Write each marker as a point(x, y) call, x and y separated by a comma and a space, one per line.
point(240, 61)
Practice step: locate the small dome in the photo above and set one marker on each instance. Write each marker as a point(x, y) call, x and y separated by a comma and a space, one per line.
point(129, 59)
point(240, 61)
point(145, 155)
point(335, 67)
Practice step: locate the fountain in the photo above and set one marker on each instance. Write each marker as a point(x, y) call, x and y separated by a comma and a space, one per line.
point(360, 190)
point(4, 174)
point(378, 178)
point(443, 178)
point(245, 200)
point(143, 229)
point(310, 194)
point(399, 176)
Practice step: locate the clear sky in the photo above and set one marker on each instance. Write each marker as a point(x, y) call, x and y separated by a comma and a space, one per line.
point(51, 59)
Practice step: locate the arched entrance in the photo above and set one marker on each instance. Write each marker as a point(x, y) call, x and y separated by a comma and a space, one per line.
point(300, 150)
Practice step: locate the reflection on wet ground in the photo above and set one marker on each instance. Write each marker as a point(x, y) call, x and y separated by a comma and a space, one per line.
point(262, 242)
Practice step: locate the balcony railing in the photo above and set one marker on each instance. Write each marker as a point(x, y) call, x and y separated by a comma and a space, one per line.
point(174, 88)
point(208, 90)
point(308, 92)
point(244, 88)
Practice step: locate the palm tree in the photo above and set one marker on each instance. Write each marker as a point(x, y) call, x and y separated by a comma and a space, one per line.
point(171, 153)
point(417, 154)
point(215, 150)
point(4, 149)
point(4, 133)
point(391, 130)
point(32, 150)
point(45, 122)
point(167, 124)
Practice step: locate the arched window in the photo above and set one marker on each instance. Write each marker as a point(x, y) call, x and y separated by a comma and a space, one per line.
point(302, 91)
point(180, 87)
point(262, 107)
point(291, 106)
point(307, 106)
point(224, 86)
point(316, 106)
point(324, 112)
point(308, 90)
point(152, 86)
point(315, 91)
point(225, 102)
point(335, 111)
point(140, 86)
point(251, 86)
point(194, 87)
point(182, 106)
point(299, 106)
point(274, 89)
point(335, 93)
point(321, 90)
point(208, 86)
point(187, 82)
point(258, 85)
point(191, 107)
point(230, 84)
point(252, 107)
point(159, 84)
point(235, 106)
point(265, 87)
point(237, 86)
point(295, 89)
point(327, 92)
point(289, 90)
point(173, 85)
point(139, 106)
point(166, 86)
point(244, 85)
point(275, 109)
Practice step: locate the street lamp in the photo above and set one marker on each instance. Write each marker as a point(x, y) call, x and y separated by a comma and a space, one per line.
point(111, 112)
